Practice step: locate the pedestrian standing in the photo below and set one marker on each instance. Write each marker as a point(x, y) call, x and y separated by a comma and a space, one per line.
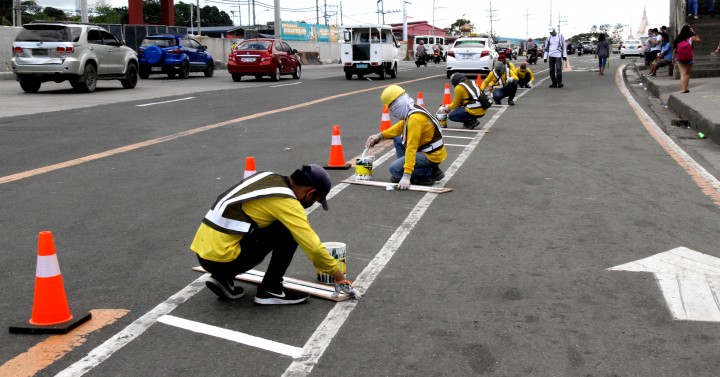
point(683, 54)
point(602, 52)
point(556, 52)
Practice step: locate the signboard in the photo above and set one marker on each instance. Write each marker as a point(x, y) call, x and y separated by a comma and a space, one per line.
point(300, 31)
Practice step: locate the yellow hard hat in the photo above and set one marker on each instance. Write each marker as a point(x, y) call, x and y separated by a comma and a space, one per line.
point(390, 94)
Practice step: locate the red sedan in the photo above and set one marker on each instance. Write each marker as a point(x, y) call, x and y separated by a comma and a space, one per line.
point(263, 57)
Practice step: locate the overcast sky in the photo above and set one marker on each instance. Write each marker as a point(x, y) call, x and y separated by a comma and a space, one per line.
point(509, 17)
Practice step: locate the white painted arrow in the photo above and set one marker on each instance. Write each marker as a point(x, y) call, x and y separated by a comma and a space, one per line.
point(689, 280)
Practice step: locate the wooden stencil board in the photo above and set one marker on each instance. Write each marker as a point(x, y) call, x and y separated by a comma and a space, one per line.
point(436, 190)
point(309, 287)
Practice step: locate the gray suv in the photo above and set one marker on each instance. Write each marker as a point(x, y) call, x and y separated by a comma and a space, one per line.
point(76, 52)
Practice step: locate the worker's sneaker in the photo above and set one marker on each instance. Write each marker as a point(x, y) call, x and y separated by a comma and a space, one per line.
point(553, 85)
point(511, 102)
point(560, 85)
point(224, 289)
point(422, 181)
point(437, 174)
point(472, 125)
point(498, 102)
point(395, 179)
point(279, 296)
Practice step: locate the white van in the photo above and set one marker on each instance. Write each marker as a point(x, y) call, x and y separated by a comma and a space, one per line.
point(367, 49)
point(430, 41)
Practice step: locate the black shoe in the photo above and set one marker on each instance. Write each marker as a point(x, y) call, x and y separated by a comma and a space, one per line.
point(395, 180)
point(279, 296)
point(560, 85)
point(224, 289)
point(498, 102)
point(472, 125)
point(553, 85)
point(511, 102)
point(437, 174)
point(422, 181)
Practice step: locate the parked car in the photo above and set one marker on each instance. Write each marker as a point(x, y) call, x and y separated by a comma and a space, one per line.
point(69, 51)
point(587, 47)
point(264, 57)
point(369, 49)
point(174, 55)
point(631, 47)
point(505, 49)
point(471, 55)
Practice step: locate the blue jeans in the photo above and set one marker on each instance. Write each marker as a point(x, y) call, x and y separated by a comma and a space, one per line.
point(602, 61)
point(508, 91)
point(423, 166)
point(462, 116)
point(692, 6)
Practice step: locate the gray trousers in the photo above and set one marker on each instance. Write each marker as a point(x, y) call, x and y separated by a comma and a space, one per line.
point(556, 65)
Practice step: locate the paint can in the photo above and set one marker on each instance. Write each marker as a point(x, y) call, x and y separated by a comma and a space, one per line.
point(337, 250)
point(364, 167)
point(441, 116)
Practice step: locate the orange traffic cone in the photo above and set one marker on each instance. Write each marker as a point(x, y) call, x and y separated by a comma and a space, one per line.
point(420, 100)
point(385, 119)
point(249, 167)
point(51, 312)
point(337, 157)
point(479, 80)
point(446, 96)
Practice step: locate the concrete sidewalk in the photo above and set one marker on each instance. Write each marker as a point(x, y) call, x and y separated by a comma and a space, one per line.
point(700, 107)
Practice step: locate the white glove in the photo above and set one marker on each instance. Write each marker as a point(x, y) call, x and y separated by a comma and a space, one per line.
point(510, 79)
point(404, 182)
point(374, 139)
point(446, 108)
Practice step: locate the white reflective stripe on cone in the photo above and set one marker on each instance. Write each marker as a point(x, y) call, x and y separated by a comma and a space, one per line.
point(47, 266)
point(336, 140)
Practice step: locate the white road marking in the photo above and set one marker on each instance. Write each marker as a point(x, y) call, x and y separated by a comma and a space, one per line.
point(277, 86)
point(455, 145)
point(132, 331)
point(159, 103)
point(457, 137)
point(231, 335)
point(689, 280)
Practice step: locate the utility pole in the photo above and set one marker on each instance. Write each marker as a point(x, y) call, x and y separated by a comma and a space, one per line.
point(492, 18)
point(325, 15)
point(527, 23)
point(198, 18)
point(561, 22)
point(191, 18)
point(341, 19)
point(317, 12)
point(404, 20)
point(550, 23)
point(254, 22)
point(277, 19)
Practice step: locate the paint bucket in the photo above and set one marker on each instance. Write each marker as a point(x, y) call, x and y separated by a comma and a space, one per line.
point(337, 250)
point(364, 167)
point(441, 115)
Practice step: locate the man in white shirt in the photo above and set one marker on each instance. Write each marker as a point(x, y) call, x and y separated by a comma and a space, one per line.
point(556, 51)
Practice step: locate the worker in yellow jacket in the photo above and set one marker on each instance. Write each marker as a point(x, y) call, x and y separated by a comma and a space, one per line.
point(465, 107)
point(418, 141)
point(524, 75)
point(503, 83)
point(264, 213)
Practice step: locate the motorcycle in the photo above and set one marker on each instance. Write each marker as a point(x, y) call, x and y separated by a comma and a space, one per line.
point(532, 56)
point(421, 60)
point(436, 57)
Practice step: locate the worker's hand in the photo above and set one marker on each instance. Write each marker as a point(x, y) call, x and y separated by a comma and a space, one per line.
point(374, 139)
point(565, 58)
point(446, 108)
point(404, 182)
point(510, 79)
point(544, 60)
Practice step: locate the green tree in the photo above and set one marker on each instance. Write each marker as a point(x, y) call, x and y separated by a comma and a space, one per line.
point(455, 26)
point(182, 14)
point(212, 16)
point(617, 34)
point(594, 29)
point(55, 14)
point(104, 13)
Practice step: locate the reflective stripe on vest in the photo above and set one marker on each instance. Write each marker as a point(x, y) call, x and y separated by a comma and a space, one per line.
point(473, 102)
point(240, 223)
point(437, 140)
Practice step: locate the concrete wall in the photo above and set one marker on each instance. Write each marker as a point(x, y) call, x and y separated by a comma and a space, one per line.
point(7, 36)
point(329, 52)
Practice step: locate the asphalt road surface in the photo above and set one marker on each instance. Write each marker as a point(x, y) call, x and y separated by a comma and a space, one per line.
point(507, 275)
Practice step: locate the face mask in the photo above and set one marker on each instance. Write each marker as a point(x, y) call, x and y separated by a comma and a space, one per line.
point(305, 203)
point(401, 106)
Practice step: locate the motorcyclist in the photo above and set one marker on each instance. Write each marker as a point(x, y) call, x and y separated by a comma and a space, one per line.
point(437, 52)
point(420, 52)
point(532, 51)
